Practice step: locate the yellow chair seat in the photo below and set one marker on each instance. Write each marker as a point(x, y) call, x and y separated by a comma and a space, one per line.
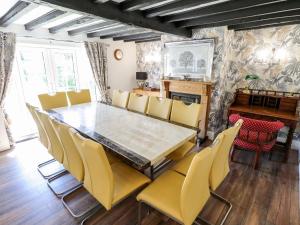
point(126, 181)
point(180, 152)
point(183, 165)
point(163, 193)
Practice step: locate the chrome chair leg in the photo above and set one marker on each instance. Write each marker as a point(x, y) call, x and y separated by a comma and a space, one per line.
point(223, 200)
point(60, 194)
point(41, 165)
point(70, 210)
point(226, 202)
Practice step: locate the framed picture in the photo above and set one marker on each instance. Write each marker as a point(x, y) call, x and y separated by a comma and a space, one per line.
point(189, 59)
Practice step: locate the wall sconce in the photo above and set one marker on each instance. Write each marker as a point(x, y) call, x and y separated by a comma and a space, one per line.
point(271, 56)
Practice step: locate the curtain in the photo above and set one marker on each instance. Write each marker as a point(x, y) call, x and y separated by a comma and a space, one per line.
point(97, 54)
point(7, 53)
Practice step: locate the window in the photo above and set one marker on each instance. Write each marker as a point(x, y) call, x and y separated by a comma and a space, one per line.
point(44, 68)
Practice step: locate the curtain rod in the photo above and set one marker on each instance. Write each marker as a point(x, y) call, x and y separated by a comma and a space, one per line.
point(53, 39)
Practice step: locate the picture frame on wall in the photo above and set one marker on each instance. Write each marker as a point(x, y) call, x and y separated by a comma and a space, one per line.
point(189, 59)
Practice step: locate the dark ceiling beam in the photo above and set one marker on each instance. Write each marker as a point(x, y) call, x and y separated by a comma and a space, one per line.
point(269, 25)
point(252, 12)
point(91, 28)
point(109, 31)
point(176, 6)
point(287, 14)
point(122, 33)
point(154, 37)
point(225, 7)
point(135, 36)
point(16, 12)
point(47, 18)
point(132, 5)
point(78, 21)
point(112, 12)
point(148, 40)
point(265, 22)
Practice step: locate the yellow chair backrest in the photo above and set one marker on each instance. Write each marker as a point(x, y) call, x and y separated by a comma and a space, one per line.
point(55, 147)
point(53, 101)
point(98, 176)
point(220, 167)
point(120, 98)
point(42, 133)
point(160, 108)
point(195, 190)
point(71, 154)
point(185, 114)
point(75, 97)
point(137, 103)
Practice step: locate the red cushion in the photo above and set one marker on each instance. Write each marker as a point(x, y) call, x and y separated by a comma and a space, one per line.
point(254, 133)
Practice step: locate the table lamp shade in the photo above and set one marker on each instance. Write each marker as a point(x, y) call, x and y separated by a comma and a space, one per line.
point(141, 76)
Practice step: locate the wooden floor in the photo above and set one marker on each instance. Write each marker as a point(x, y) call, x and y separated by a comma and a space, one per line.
point(269, 196)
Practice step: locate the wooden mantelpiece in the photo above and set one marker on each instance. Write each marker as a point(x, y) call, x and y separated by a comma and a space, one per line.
point(203, 89)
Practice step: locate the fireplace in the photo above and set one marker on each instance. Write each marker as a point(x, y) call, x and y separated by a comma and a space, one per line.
point(187, 98)
point(191, 92)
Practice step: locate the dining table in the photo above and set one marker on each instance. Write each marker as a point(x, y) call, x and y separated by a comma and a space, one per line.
point(141, 141)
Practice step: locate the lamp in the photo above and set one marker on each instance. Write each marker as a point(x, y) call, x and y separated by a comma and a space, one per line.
point(141, 78)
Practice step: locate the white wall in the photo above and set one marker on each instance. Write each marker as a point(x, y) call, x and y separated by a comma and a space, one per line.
point(121, 73)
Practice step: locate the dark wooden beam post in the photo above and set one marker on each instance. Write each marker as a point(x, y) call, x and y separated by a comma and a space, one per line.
point(79, 21)
point(287, 14)
point(122, 33)
point(112, 12)
point(47, 18)
point(109, 31)
point(252, 12)
point(176, 6)
point(225, 7)
point(93, 27)
point(268, 25)
point(137, 4)
point(16, 12)
point(148, 40)
point(258, 23)
point(156, 37)
point(137, 36)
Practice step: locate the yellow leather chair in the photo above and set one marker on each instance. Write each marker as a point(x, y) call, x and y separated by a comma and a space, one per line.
point(187, 115)
point(120, 98)
point(180, 197)
point(53, 101)
point(159, 108)
point(43, 139)
point(137, 103)
point(42, 133)
point(79, 97)
point(220, 167)
point(55, 149)
point(108, 183)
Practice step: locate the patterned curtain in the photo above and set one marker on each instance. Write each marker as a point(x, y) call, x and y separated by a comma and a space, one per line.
point(97, 54)
point(7, 53)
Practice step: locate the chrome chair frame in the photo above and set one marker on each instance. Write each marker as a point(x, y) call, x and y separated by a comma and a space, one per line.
point(60, 194)
point(41, 165)
point(70, 210)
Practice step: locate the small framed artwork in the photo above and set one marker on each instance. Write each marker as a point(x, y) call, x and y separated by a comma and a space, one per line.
point(189, 59)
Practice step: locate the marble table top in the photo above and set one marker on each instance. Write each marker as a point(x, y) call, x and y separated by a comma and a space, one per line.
point(140, 139)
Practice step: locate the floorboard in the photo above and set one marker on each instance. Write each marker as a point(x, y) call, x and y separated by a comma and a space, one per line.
point(268, 196)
